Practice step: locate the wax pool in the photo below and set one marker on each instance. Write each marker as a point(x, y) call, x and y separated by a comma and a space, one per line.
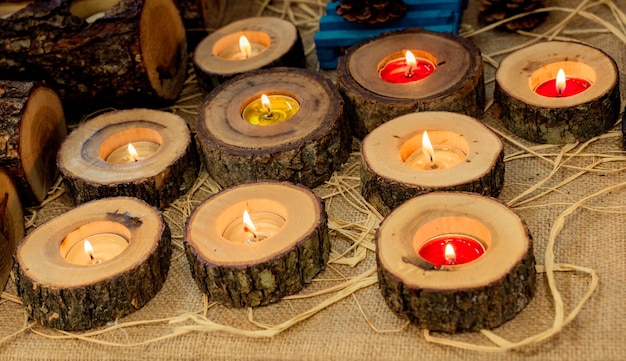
point(465, 249)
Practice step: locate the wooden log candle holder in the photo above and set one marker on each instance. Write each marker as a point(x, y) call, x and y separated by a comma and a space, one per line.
point(396, 166)
point(301, 137)
point(448, 76)
point(94, 264)
point(11, 225)
point(271, 42)
point(96, 53)
point(31, 132)
point(143, 153)
point(534, 107)
point(245, 262)
point(455, 262)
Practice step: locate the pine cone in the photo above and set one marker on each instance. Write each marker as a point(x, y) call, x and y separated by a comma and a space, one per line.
point(491, 11)
point(371, 11)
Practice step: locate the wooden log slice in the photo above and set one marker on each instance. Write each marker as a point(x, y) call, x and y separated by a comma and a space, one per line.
point(157, 178)
point(387, 179)
point(562, 119)
point(67, 295)
point(239, 270)
point(11, 225)
point(125, 57)
point(31, 132)
point(483, 293)
point(305, 148)
point(275, 42)
point(456, 85)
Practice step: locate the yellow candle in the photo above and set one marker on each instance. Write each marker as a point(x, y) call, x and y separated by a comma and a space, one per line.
point(254, 227)
point(434, 157)
point(271, 109)
point(133, 152)
point(243, 50)
point(96, 249)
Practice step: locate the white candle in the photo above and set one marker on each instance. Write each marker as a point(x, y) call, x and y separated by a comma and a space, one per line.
point(96, 249)
point(133, 152)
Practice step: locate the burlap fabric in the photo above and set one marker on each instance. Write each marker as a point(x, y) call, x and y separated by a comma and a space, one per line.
point(593, 237)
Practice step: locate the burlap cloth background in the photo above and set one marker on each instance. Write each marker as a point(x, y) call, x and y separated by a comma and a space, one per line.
point(590, 238)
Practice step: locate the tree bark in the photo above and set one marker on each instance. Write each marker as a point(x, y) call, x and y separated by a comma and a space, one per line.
point(31, 133)
point(11, 225)
point(483, 293)
point(456, 85)
point(248, 274)
point(62, 295)
point(306, 148)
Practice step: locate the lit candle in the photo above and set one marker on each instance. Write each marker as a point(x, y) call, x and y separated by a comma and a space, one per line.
point(96, 249)
point(243, 50)
point(133, 152)
point(562, 86)
point(406, 69)
point(451, 249)
point(255, 227)
point(271, 109)
point(436, 157)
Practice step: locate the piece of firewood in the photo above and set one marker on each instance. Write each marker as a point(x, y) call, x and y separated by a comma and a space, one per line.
point(158, 179)
point(60, 294)
point(31, 132)
point(483, 293)
point(387, 181)
point(11, 225)
point(253, 270)
point(306, 149)
point(557, 120)
point(135, 53)
point(456, 85)
point(280, 42)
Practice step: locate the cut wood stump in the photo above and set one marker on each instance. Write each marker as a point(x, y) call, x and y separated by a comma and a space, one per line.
point(245, 266)
point(388, 178)
point(61, 294)
point(306, 148)
point(456, 85)
point(31, 132)
point(98, 53)
point(11, 225)
point(164, 169)
point(273, 43)
point(563, 119)
point(483, 293)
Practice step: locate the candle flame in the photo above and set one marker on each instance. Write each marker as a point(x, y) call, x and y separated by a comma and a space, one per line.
point(449, 253)
point(244, 46)
point(265, 100)
point(411, 62)
point(88, 249)
point(247, 222)
point(560, 82)
point(132, 153)
point(427, 146)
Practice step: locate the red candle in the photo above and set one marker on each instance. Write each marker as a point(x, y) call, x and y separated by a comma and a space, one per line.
point(451, 250)
point(406, 69)
point(562, 86)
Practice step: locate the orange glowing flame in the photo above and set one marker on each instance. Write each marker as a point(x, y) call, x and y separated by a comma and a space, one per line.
point(245, 47)
point(132, 153)
point(411, 62)
point(265, 100)
point(449, 253)
point(427, 146)
point(560, 82)
point(88, 249)
point(247, 223)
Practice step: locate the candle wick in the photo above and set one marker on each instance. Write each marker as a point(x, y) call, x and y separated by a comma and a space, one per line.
point(409, 72)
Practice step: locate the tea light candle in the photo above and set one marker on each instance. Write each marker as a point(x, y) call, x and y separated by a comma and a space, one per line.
point(243, 50)
point(133, 152)
point(96, 249)
point(406, 69)
point(436, 157)
point(562, 86)
point(272, 109)
point(255, 227)
point(451, 249)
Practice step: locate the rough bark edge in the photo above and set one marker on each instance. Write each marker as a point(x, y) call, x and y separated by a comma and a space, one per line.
point(462, 310)
point(558, 125)
point(265, 282)
point(367, 110)
point(158, 190)
point(386, 194)
point(73, 309)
